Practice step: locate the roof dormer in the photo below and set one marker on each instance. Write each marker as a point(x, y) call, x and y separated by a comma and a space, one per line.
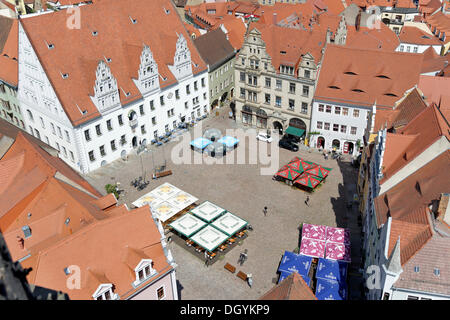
point(148, 72)
point(144, 270)
point(106, 93)
point(105, 291)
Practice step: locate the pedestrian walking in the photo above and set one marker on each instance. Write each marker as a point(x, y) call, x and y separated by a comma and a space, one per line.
point(250, 279)
point(307, 201)
point(206, 259)
point(265, 211)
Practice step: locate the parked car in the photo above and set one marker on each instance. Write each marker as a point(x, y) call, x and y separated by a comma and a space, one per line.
point(263, 136)
point(286, 144)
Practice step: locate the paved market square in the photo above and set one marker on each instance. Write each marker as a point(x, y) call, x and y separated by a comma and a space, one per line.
point(243, 191)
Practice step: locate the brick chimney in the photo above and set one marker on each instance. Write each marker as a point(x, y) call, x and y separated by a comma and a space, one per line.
point(274, 20)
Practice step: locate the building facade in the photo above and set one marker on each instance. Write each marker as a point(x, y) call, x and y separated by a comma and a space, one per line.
point(121, 112)
point(10, 105)
point(271, 97)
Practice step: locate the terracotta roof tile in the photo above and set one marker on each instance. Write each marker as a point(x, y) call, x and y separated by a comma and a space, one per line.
point(415, 35)
point(117, 38)
point(435, 89)
point(385, 89)
point(382, 38)
point(291, 288)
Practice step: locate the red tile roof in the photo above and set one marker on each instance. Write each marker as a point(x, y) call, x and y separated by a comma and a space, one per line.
point(9, 54)
point(117, 38)
point(439, 22)
point(415, 35)
point(429, 126)
point(382, 38)
point(435, 89)
point(291, 288)
point(106, 251)
point(362, 76)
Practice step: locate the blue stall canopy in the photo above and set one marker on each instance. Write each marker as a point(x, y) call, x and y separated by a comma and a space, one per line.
point(229, 141)
point(284, 275)
point(332, 270)
point(292, 262)
point(200, 143)
point(330, 290)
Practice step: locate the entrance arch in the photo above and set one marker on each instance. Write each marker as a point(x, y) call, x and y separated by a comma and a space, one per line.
point(320, 143)
point(297, 123)
point(247, 115)
point(278, 126)
point(348, 147)
point(336, 144)
point(261, 119)
point(224, 96)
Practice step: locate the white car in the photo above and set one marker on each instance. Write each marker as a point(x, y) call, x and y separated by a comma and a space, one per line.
point(263, 136)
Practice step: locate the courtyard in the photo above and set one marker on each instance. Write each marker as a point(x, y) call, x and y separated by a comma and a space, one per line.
point(242, 190)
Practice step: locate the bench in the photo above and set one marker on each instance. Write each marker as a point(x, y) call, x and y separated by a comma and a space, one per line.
point(242, 275)
point(230, 268)
point(163, 173)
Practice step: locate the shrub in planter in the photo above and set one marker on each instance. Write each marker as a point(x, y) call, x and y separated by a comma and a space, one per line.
point(112, 189)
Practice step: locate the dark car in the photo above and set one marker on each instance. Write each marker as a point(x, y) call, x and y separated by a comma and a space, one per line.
point(287, 144)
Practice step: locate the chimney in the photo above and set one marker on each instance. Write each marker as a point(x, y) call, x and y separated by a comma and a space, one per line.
point(274, 20)
point(20, 242)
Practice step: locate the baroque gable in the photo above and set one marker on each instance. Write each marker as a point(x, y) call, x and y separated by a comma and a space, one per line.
point(182, 66)
point(106, 93)
point(148, 79)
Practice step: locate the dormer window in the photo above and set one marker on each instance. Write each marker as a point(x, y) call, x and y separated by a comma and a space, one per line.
point(26, 231)
point(94, 33)
point(144, 271)
point(50, 45)
point(105, 292)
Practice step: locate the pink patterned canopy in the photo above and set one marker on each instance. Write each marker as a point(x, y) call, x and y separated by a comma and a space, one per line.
point(339, 235)
point(312, 248)
point(338, 251)
point(316, 232)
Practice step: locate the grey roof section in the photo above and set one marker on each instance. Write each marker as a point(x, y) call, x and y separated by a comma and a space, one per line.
point(394, 263)
point(214, 48)
point(8, 134)
point(351, 12)
point(399, 10)
point(433, 262)
point(5, 26)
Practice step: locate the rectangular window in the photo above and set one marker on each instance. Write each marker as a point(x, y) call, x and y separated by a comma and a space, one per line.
point(42, 123)
point(57, 146)
point(59, 132)
point(337, 110)
point(335, 127)
point(102, 151)
point(343, 129)
point(87, 136)
point(242, 93)
point(195, 86)
point(412, 298)
point(154, 120)
point(304, 107)
point(278, 101)
point(161, 100)
point(345, 111)
point(141, 109)
point(188, 91)
point(278, 84)
point(113, 145)
point(268, 82)
point(305, 91)
point(291, 104)
point(152, 106)
point(97, 129)
point(353, 130)
point(307, 74)
point(108, 125)
point(242, 77)
point(155, 134)
point(119, 118)
point(177, 94)
point(319, 124)
point(291, 87)
point(328, 110)
point(91, 156)
point(203, 82)
point(356, 113)
point(321, 107)
point(160, 293)
point(71, 156)
point(67, 135)
point(267, 98)
point(143, 129)
point(64, 152)
point(327, 126)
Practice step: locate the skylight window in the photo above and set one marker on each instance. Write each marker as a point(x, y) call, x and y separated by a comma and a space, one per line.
point(436, 272)
point(50, 45)
point(26, 231)
point(283, 52)
point(357, 90)
point(133, 21)
point(416, 269)
point(94, 33)
point(67, 221)
point(67, 271)
point(64, 75)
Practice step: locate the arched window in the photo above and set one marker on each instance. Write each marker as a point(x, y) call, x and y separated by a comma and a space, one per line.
point(30, 115)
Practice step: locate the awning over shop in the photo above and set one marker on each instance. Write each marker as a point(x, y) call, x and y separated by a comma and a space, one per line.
point(332, 270)
point(291, 262)
point(330, 290)
point(187, 225)
point(338, 251)
point(295, 131)
point(208, 211)
point(209, 238)
point(229, 223)
point(200, 143)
